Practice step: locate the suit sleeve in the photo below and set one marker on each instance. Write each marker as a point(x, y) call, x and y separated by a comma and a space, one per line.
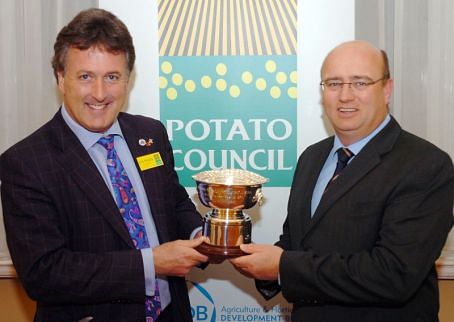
point(269, 289)
point(47, 261)
point(414, 217)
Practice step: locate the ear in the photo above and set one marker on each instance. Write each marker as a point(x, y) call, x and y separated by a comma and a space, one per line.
point(61, 81)
point(389, 86)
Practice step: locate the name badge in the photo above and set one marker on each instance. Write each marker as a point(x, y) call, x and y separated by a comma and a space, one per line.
point(150, 161)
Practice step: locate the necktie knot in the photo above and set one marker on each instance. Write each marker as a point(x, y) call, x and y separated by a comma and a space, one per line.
point(107, 142)
point(343, 156)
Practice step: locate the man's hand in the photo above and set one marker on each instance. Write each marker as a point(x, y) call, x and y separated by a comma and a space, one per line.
point(262, 262)
point(178, 257)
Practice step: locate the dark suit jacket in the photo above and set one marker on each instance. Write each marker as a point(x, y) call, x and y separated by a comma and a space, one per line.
point(368, 253)
point(67, 239)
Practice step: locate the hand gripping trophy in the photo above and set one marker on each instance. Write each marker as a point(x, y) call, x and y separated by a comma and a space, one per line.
point(227, 192)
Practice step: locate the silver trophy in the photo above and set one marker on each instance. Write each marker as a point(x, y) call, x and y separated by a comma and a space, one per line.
point(227, 192)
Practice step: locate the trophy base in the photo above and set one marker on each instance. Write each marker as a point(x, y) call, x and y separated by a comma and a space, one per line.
point(217, 254)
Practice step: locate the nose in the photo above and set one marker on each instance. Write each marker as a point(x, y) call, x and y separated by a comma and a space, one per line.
point(346, 92)
point(99, 90)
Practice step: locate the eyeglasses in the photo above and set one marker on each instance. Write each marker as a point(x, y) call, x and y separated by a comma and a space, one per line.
point(358, 85)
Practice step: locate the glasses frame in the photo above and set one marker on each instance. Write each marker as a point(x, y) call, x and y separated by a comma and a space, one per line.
point(350, 85)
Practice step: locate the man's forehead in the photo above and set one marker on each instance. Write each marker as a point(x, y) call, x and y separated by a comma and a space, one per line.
point(356, 46)
point(95, 56)
point(352, 60)
point(95, 48)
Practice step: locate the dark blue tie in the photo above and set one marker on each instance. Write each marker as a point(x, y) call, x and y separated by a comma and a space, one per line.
point(126, 200)
point(343, 156)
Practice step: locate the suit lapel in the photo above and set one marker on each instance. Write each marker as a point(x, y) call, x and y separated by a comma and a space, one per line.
point(369, 157)
point(309, 166)
point(310, 174)
point(357, 169)
point(78, 164)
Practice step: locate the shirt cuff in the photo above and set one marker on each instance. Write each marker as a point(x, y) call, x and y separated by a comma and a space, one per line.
point(148, 267)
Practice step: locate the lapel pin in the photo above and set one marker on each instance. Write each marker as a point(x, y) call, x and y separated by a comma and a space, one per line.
point(143, 142)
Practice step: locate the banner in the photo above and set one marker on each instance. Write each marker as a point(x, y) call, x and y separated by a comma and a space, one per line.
point(228, 97)
point(228, 85)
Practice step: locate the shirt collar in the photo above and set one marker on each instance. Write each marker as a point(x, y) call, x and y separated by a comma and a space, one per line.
point(359, 145)
point(86, 137)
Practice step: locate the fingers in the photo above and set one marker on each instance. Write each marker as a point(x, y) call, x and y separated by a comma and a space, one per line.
point(248, 248)
point(241, 263)
point(191, 252)
point(254, 248)
point(261, 261)
point(191, 243)
point(178, 257)
point(243, 272)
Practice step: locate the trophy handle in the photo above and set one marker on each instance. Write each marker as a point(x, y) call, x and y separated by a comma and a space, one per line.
point(258, 197)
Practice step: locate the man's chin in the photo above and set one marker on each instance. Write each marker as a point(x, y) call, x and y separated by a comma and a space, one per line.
point(97, 128)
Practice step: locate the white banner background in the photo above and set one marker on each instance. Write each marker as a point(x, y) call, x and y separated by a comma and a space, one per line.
point(321, 25)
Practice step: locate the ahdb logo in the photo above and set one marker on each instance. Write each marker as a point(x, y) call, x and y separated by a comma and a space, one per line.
point(202, 303)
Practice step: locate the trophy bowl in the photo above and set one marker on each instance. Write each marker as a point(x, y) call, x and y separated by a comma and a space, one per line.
point(227, 192)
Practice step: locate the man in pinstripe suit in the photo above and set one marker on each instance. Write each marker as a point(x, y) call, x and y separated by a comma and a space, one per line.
point(68, 241)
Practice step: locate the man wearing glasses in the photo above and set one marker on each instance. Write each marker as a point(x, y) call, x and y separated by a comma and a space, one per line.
point(369, 210)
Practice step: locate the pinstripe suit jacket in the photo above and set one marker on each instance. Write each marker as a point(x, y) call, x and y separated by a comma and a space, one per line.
point(368, 253)
point(67, 239)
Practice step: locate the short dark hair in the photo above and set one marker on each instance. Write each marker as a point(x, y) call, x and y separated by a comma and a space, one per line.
point(386, 72)
point(93, 27)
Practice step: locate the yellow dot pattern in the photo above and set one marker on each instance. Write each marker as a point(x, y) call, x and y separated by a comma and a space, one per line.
point(172, 93)
point(206, 81)
point(221, 69)
point(177, 79)
point(292, 92)
point(221, 84)
point(293, 77)
point(190, 86)
point(163, 82)
point(282, 82)
point(234, 91)
point(270, 66)
point(260, 83)
point(275, 92)
point(281, 78)
point(166, 67)
point(247, 77)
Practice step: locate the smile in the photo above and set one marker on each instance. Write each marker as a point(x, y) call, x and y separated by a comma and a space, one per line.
point(97, 106)
point(347, 109)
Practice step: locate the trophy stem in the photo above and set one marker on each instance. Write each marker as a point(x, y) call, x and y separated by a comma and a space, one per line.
point(225, 237)
point(228, 213)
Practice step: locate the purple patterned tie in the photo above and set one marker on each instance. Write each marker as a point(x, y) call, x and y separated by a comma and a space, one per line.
point(126, 200)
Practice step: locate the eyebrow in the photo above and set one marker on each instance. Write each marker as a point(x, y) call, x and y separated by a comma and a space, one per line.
point(94, 73)
point(354, 77)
